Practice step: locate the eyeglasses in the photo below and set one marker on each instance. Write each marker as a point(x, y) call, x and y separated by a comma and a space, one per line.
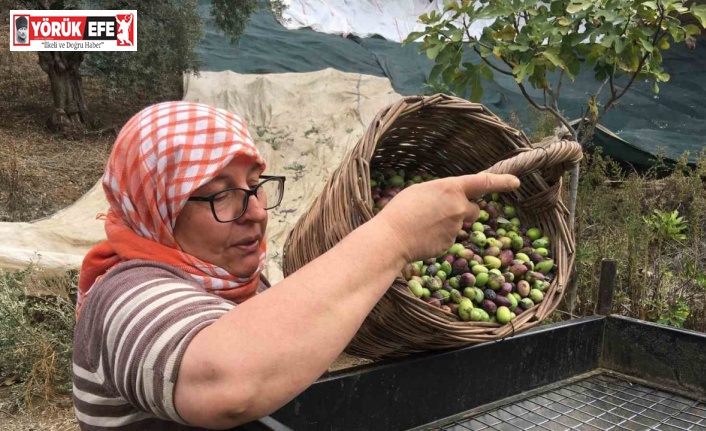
point(230, 204)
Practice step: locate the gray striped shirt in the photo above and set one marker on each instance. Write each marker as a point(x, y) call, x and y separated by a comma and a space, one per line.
point(128, 343)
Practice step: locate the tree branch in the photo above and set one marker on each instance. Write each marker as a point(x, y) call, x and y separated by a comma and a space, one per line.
point(554, 112)
point(492, 66)
point(600, 89)
point(614, 95)
point(475, 48)
point(558, 89)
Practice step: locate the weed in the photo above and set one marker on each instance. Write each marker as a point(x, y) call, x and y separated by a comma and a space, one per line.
point(327, 140)
point(298, 169)
point(654, 224)
point(274, 136)
point(36, 334)
point(314, 130)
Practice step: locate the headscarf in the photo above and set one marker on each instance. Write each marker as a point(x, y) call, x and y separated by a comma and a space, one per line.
point(161, 155)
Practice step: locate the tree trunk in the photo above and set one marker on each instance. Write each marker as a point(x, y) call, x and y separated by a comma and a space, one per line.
point(573, 195)
point(69, 114)
point(571, 291)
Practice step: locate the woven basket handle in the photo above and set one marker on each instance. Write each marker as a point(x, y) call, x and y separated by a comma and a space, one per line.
point(556, 158)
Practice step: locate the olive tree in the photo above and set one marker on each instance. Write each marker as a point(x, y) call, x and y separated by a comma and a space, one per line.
point(546, 44)
point(168, 33)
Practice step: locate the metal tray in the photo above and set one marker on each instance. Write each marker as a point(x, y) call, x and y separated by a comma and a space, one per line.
point(599, 372)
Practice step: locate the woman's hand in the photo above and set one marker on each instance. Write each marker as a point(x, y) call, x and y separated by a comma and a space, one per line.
point(425, 218)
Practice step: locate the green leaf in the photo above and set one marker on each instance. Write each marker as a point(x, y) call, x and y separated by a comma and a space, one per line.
point(691, 29)
point(498, 52)
point(476, 92)
point(608, 40)
point(699, 12)
point(655, 87)
point(574, 68)
point(507, 33)
point(578, 6)
point(448, 74)
point(563, 21)
point(619, 45)
point(601, 74)
point(664, 76)
point(551, 56)
point(650, 4)
point(413, 36)
point(485, 71)
point(435, 71)
point(647, 45)
point(664, 43)
point(433, 50)
point(447, 53)
point(519, 71)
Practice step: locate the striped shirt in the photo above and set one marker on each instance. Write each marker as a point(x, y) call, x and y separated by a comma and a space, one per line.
point(129, 342)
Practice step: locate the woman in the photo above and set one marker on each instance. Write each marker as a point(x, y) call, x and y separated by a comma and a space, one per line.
point(159, 340)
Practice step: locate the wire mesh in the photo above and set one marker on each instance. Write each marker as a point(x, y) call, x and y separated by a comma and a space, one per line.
point(597, 403)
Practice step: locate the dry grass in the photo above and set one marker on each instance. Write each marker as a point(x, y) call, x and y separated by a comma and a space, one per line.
point(36, 333)
point(41, 172)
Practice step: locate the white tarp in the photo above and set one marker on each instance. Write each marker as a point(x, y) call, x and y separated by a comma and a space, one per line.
point(393, 20)
point(303, 123)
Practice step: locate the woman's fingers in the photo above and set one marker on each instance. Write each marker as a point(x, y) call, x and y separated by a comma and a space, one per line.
point(480, 184)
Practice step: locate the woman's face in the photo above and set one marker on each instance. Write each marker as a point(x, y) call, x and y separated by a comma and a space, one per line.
point(233, 246)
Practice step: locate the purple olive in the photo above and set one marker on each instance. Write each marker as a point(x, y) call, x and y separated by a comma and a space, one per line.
point(492, 223)
point(474, 248)
point(489, 306)
point(518, 270)
point(492, 211)
point(501, 301)
point(453, 306)
point(467, 280)
point(506, 257)
point(449, 258)
point(436, 302)
point(466, 254)
point(462, 235)
point(459, 266)
point(535, 257)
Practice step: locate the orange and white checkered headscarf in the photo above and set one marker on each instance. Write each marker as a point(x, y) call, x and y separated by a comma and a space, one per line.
point(161, 155)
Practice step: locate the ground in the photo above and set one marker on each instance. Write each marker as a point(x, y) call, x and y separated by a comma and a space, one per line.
point(42, 172)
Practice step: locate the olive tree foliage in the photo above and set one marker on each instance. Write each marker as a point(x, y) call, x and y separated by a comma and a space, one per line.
point(168, 33)
point(546, 44)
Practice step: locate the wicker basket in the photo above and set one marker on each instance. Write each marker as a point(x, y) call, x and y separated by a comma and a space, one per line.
point(445, 136)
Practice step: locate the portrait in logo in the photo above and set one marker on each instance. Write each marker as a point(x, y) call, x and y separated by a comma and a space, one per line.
point(125, 30)
point(21, 30)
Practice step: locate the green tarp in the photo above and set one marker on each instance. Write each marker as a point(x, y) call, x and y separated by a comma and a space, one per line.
point(642, 124)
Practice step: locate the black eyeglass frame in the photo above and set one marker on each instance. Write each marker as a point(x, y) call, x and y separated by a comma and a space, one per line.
point(248, 192)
